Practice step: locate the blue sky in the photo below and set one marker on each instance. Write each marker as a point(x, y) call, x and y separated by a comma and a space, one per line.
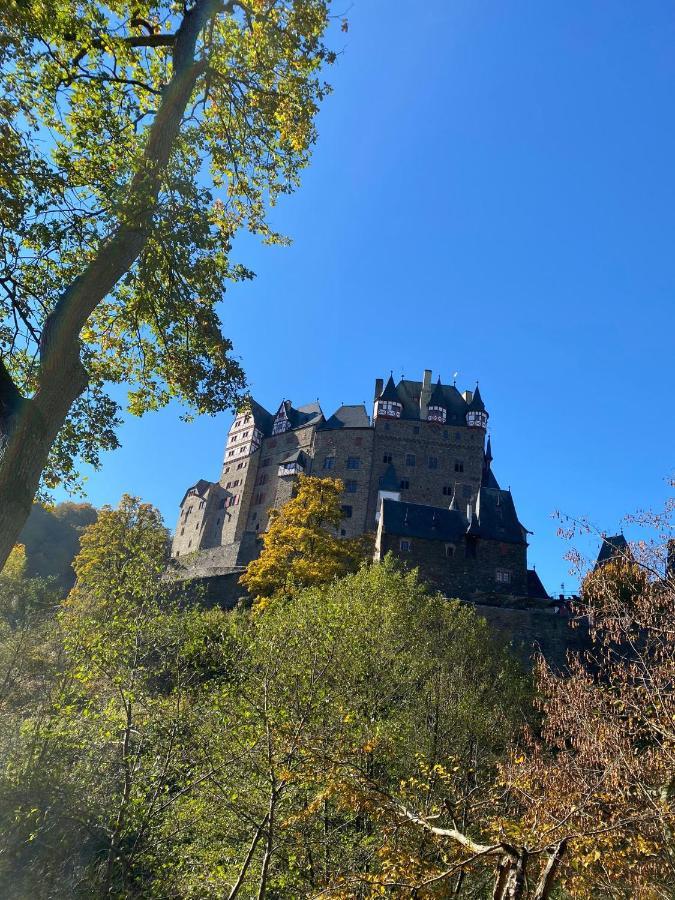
point(493, 193)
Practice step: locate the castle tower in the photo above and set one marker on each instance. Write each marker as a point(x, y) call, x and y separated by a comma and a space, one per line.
point(436, 409)
point(477, 416)
point(388, 404)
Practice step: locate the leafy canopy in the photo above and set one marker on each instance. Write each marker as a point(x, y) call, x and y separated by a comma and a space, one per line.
point(300, 546)
point(82, 86)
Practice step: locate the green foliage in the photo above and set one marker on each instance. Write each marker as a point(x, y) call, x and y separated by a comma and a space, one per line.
point(153, 748)
point(300, 546)
point(88, 147)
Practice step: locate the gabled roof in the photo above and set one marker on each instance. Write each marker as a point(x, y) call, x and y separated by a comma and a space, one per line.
point(261, 417)
point(309, 414)
point(390, 392)
point(612, 547)
point(497, 517)
point(297, 457)
point(348, 417)
point(428, 522)
point(535, 588)
point(201, 488)
point(390, 480)
point(476, 404)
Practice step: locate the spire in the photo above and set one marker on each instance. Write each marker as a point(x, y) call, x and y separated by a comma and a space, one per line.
point(453, 502)
point(477, 404)
point(390, 392)
point(437, 398)
point(487, 477)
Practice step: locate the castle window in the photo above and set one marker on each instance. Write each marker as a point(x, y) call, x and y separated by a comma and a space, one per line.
point(351, 486)
point(254, 516)
point(450, 550)
point(343, 532)
point(447, 490)
point(245, 434)
point(416, 429)
point(459, 465)
point(502, 576)
point(404, 545)
point(329, 462)
point(182, 532)
point(387, 458)
point(346, 512)
point(226, 470)
point(261, 479)
point(353, 462)
point(436, 414)
point(247, 419)
point(458, 436)
point(389, 408)
point(230, 452)
point(189, 544)
point(259, 498)
point(410, 459)
point(433, 462)
point(404, 485)
point(471, 547)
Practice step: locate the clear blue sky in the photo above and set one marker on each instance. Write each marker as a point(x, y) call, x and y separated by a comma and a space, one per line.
point(493, 192)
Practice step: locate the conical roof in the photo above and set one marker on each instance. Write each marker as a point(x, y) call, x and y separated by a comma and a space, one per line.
point(437, 396)
point(389, 481)
point(476, 404)
point(390, 392)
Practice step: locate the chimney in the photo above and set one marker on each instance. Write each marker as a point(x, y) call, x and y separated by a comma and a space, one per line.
point(670, 559)
point(379, 384)
point(425, 394)
point(468, 396)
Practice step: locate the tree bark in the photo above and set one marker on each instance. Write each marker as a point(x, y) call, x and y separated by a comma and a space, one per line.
point(28, 427)
point(547, 877)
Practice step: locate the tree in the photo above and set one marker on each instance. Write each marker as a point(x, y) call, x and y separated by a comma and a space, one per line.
point(352, 684)
point(300, 546)
point(115, 251)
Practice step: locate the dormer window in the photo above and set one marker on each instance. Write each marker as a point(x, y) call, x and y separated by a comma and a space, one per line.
point(436, 414)
point(291, 468)
point(281, 422)
point(389, 409)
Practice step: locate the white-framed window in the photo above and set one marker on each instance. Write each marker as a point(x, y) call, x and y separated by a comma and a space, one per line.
point(476, 419)
point(502, 576)
point(436, 414)
point(404, 545)
point(389, 408)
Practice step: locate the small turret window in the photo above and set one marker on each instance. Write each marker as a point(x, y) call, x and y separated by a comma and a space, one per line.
point(436, 414)
point(389, 408)
point(476, 419)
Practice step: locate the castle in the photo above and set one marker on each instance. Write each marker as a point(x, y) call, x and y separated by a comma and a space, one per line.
point(417, 474)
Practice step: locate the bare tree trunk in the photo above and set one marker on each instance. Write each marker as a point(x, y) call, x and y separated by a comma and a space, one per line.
point(236, 887)
point(28, 427)
point(547, 878)
point(113, 849)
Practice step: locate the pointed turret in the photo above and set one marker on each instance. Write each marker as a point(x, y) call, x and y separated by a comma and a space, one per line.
point(476, 416)
point(487, 477)
point(388, 404)
point(437, 410)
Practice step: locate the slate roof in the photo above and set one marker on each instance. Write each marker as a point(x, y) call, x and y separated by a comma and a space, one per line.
point(477, 404)
point(497, 517)
point(309, 414)
point(261, 417)
point(429, 522)
point(390, 392)
point(613, 547)
point(494, 519)
point(535, 588)
point(437, 397)
point(390, 480)
point(348, 417)
point(298, 456)
point(487, 476)
point(202, 487)
point(409, 395)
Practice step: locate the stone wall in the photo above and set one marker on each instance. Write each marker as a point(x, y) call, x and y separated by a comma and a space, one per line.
point(460, 575)
point(436, 449)
point(339, 446)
